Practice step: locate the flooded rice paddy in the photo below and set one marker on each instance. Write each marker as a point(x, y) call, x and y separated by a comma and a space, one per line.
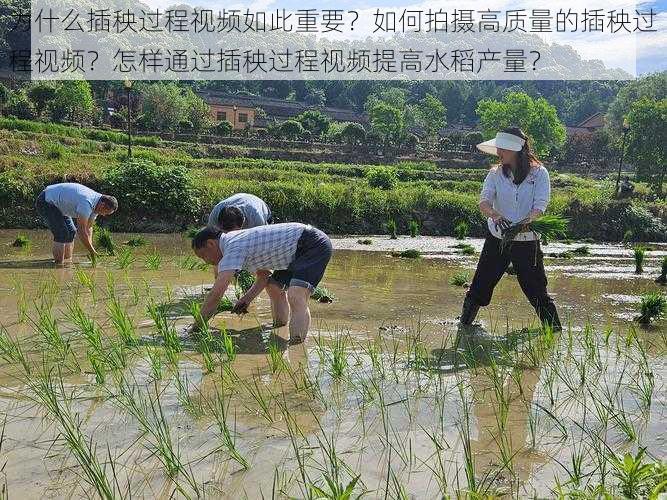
point(387, 397)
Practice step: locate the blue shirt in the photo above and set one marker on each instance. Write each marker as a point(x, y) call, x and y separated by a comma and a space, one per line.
point(73, 200)
point(512, 201)
point(255, 211)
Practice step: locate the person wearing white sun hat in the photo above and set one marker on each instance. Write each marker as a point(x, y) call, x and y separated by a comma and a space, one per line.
point(516, 191)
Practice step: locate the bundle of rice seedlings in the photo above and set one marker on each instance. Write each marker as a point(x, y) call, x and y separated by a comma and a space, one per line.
point(137, 241)
point(365, 241)
point(652, 307)
point(414, 228)
point(639, 254)
point(582, 250)
point(392, 229)
point(460, 279)
point(407, 254)
point(662, 279)
point(323, 294)
point(21, 241)
point(461, 230)
point(104, 240)
point(548, 227)
point(244, 280)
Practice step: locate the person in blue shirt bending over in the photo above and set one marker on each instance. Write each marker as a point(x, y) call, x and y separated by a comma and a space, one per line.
point(516, 191)
point(60, 204)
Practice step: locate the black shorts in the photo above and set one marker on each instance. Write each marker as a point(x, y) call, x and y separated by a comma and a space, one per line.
point(61, 226)
point(313, 252)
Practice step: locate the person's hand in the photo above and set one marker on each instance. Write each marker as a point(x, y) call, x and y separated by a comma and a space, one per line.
point(241, 307)
point(502, 224)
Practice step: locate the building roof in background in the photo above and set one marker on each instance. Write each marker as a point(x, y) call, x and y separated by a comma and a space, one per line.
point(279, 108)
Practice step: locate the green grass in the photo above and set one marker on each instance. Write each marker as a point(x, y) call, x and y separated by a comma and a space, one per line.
point(407, 254)
point(460, 278)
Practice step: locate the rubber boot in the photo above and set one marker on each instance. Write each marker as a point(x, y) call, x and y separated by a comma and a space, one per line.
point(469, 311)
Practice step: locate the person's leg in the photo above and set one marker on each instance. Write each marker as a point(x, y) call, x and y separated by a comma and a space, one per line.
point(59, 251)
point(490, 268)
point(527, 258)
point(280, 308)
point(299, 321)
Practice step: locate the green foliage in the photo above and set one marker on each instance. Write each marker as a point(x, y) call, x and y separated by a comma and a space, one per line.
point(323, 295)
point(414, 228)
point(647, 141)
point(21, 241)
point(290, 129)
point(431, 115)
point(104, 240)
point(244, 280)
point(315, 122)
point(382, 177)
point(54, 151)
point(653, 306)
point(461, 230)
point(73, 101)
point(41, 94)
point(387, 121)
point(460, 278)
point(639, 252)
point(146, 189)
point(224, 128)
point(466, 249)
point(166, 105)
point(392, 229)
point(353, 134)
point(136, 241)
point(19, 106)
point(365, 241)
point(536, 117)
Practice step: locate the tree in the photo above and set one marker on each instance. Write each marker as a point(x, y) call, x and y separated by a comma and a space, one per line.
point(387, 121)
point(161, 109)
point(224, 128)
point(652, 86)
point(73, 101)
point(195, 110)
point(316, 122)
point(382, 177)
point(4, 96)
point(20, 106)
point(431, 115)
point(536, 117)
point(647, 140)
point(41, 94)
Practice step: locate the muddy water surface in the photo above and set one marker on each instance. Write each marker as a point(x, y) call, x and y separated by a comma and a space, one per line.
point(403, 388)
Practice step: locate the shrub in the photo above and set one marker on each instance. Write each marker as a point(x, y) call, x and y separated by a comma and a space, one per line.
point(54, 151)
point(145, 189)
point(224, 128)
point(382, 177)
point(290, 129)
point(353, 134)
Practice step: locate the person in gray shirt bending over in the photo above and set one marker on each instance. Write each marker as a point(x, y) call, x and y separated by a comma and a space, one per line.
point(297, 253)
point(254, 210)
point(60, 203)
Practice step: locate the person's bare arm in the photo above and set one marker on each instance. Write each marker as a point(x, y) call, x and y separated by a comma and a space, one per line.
point(210, 306)
point(86, 235)
point(261, 280)
point(486, 209)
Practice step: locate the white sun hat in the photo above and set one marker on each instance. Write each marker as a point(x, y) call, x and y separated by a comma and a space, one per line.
point(502, 140)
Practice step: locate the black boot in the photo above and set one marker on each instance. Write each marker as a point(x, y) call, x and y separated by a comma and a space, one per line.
point(549, 316)
point(469, 311)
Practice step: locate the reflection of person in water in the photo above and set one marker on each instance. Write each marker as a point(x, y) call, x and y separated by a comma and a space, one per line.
point(516, 192)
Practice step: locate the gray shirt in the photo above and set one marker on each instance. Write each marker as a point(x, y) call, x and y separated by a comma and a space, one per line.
point(262, 247)
point(73, 200)
point(255, 211)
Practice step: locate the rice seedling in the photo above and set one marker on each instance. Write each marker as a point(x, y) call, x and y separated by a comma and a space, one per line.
point(219, 409)
point(166, 330)
point(460, 278)
point(191, 232)
point(323, 295)
point(461, 230)
point(153, 260)
point(244, 280)
point(86, 326)
point(194, 407)
point(414, 228)
point(365, 241)
point(104, 240)
point(47, 326)
point(12, 352)
point(147, 410)
point(136, 241)
point(86, 281)
point(639, 253)
point(338, 357)
point(275, 357)
point(155, 362)
point(407, 254)
point(124, 258)
point(392, 229)
point(652, 307)
point(549, 227)
point(21, 241)
point(191, 263)
point(122, 323)
point(263, 400)
point(49, 392)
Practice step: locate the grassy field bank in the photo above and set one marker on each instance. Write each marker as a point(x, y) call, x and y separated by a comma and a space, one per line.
point(170, 187)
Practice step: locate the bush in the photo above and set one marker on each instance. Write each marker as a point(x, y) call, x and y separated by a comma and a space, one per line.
point(290, 129)
point(145, 189)
point(382, 177)
point(224, 128)
point(19, 106)
point(54, 151)
point(653, 306)
point(353, 134)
